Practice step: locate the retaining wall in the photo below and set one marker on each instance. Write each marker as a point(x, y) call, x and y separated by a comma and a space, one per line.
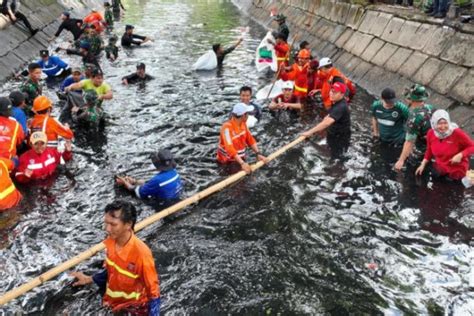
point(377, 49)
point(17, 47)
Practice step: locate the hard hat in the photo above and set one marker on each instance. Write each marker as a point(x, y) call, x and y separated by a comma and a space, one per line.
point(287, 85)
point(41, 103)
point(325, 62)
point(304, 53)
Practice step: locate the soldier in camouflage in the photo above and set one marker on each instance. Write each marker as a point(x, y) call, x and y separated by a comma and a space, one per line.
point(417, 125)
point(111, 50)
point(91, 113)
point(32, 87)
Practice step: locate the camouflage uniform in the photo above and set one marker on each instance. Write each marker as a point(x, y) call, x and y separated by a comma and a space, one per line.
point(96, 44)
point(111, 49)
point(91, 112)
point(418, 125)
point(33, 90)
point(109, 18)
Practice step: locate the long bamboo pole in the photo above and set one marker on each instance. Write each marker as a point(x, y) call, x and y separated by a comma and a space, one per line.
point(10, 295)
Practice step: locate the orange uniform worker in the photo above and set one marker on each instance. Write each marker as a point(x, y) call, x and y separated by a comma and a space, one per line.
point(11, 132)
point(96, 19)
point(44, 122)
point(327, 72)
point(299, 73)
point(282, 50)
point(9, 195)
point(235, 138)
point(130, 281)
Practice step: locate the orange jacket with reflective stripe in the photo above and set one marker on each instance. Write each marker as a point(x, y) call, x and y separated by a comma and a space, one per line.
point(234, 140)
point(51, 127)
point(298, 74)
point(131, 275)
point(9, 195)
point(11, 135)
point(281, 51)
point(327, 81)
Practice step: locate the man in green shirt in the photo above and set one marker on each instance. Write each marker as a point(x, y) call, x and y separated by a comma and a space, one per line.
point(388, 118)
point(32, 87)
point(417, 126)
point(96, 82)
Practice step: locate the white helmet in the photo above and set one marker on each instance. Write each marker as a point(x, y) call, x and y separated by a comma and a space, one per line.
point(287, 85)
point(325, 62)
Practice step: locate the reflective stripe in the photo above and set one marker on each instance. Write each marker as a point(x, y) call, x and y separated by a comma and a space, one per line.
point(137, 191)
point(228, 139)
point(49, 161)
point(13, 144)
point(300, 89)
point(162, 184)
point(239, 134)
point(120, 294)
point(240, 153)
point(7, 191)
point(44, 124)
point(282, 58)
point(35, 166)
point(386, 122)
point(120, 270)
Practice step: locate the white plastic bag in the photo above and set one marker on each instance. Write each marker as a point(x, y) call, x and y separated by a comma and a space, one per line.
point(265, 55)
point(277, 90)
point(208, 61)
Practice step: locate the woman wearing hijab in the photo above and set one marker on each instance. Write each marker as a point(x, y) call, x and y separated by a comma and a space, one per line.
point(449, 146)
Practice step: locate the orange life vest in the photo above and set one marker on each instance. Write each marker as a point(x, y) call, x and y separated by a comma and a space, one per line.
point(298, 74)
point(11, 135)
point(327, 82)
point(9, 195)
point(51, 127)
point(233, 141)
point(131, 275)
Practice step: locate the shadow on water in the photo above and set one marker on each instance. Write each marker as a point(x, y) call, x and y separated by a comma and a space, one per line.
point(306, 235)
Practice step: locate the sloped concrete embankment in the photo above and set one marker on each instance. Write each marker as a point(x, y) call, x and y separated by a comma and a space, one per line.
point(378, 49)
point(17, 47)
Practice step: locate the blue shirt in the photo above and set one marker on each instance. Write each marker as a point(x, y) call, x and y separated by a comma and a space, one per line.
point(20, 116)
point(69, 81)
point(53, 66)
point(166, 185)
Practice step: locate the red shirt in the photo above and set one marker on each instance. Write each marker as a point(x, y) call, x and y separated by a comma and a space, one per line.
point(43, 165)
point(281, 98)
point(442, 150)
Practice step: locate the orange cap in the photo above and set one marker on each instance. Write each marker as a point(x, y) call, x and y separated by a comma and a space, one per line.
point(304, 53)
point(41, 103)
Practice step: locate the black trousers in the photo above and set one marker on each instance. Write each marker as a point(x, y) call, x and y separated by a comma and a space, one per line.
point(20, 16)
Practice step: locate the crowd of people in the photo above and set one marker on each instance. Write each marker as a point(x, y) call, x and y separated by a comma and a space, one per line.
point(33, 143)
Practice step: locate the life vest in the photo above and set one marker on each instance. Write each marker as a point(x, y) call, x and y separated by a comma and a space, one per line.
point(11, 135)
point(51, 127)
point(234, 140)
point(327, 82)
point(96, 19)
point(282, 53)
point(9, 195)
point(298, 74)
point(128, 273)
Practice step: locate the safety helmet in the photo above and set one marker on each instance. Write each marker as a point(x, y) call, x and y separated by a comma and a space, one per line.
point(325, 62)
point(41, 103)
point(304, 53)
point(90, 96)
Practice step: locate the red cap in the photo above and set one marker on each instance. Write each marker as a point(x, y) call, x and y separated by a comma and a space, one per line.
point(339, 87)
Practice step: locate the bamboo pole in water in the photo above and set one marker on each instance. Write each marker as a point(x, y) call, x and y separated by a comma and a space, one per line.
point(10, 295)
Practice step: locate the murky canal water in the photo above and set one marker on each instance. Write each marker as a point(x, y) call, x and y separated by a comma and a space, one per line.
point(303, 236)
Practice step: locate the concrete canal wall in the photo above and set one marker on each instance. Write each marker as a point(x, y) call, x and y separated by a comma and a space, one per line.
point(376, 48)
point(17, 48)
